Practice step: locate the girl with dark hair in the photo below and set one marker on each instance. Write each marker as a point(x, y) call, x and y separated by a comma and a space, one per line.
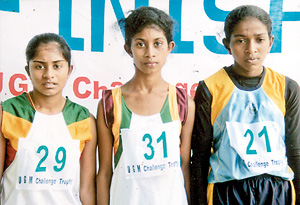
point(47, 142)
point(249, 115)
point(145, 126)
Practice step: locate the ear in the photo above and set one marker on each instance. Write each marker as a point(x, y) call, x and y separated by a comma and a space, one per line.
point(128, 50)
point(271, 42)
point(70, 70)
point(226, 44)
point(27, 70)
point(171, 46)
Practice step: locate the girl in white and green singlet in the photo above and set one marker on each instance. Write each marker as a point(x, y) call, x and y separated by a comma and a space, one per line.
point(145, 126)
point(47, 142)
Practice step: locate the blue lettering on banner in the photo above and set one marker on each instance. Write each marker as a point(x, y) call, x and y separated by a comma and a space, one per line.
point(97, 25)
point(278, 16)
point(175, 7)
point(10, 5)
point(214, 14)
point(65, 22)
point(276, 12)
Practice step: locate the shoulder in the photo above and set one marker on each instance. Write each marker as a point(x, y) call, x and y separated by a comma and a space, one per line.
point(107, 100)
point(292, 90)
point(74, 112)
point(202, 91)
point(292, 85)
point(18, 101)
point(19, 106)
point(274, 77)
point(219, 81)
point(216, 76)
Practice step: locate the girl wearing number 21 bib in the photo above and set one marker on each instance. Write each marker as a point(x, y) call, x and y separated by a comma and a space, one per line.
point(47, 142)
point(145, 126)
point(249, 114)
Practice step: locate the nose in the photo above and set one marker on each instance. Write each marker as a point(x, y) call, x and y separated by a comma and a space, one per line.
point(48, 74)
point(251, 47)
point(150, 52)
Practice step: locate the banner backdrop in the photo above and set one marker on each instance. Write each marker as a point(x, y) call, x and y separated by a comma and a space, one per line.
point(100, 62)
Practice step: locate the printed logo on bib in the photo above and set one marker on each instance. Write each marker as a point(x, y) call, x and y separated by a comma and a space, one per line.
point(259, 145)
point(46, 166)
point(151, 152)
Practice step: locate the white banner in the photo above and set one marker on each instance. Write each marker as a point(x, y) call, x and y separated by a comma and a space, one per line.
point(90, 27)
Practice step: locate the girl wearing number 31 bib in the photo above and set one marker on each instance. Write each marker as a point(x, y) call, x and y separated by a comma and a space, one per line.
point(249, 114)
point(145, 126)
point(48, 143)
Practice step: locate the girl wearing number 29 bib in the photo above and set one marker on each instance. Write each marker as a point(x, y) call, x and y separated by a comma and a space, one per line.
point(249, 115)
point(145, 126)
point(48, 143)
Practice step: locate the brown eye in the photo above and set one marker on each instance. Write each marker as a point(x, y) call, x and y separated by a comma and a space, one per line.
point(240, 40)
point(260, 40)
point(57, 66)
point(39, 67)
point(140, 44)
point(157, 44)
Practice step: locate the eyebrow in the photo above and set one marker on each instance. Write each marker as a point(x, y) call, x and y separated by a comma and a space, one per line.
point(241, 35)
point(40, 61)
point(136, 39)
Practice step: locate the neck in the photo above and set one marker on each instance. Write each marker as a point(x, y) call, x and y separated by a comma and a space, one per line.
point(47, 104)
point(147, 83)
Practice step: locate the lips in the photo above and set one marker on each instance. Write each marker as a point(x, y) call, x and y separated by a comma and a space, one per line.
point(49, 84)
point(251, 60)
point(150, 63)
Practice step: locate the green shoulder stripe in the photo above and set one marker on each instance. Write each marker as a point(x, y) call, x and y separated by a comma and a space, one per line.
point(20, 107)
point(73, 112)
point(165, 112)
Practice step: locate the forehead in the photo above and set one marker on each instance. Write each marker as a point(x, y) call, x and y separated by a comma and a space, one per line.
point(150, 30)
point(250, 25)
point(48, 50)
point(51, 46)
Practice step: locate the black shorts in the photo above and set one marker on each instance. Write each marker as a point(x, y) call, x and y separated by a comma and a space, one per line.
point(263, 189)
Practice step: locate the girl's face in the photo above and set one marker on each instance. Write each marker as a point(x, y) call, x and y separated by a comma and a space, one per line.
point(249, 46)
point(149, 50)
point(48, 70)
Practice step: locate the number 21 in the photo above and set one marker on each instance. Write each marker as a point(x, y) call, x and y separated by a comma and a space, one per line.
point(260, 134)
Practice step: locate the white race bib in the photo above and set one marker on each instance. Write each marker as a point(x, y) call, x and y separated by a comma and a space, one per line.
point(48, 159)
point(259, 145)
point(151, 151)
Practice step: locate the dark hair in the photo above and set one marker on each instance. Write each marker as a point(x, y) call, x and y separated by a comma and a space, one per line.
point(242, 12)
point(45, 38)
point(143, 17)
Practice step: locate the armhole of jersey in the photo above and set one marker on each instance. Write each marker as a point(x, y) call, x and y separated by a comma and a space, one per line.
point(287, 81)
point(221, 88)
point(108, 107)
point(182, 102)
point(275, 86)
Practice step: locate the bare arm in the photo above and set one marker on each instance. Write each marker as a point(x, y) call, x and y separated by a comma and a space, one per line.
point(2, 146)
point(105, 141)
point(88, 169)
point(185, 147)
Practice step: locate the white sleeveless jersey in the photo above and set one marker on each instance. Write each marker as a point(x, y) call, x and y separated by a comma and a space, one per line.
point(147, 157)
point(46, 166)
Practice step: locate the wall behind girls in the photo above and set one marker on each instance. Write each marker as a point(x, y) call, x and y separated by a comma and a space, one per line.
point(90, 27)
